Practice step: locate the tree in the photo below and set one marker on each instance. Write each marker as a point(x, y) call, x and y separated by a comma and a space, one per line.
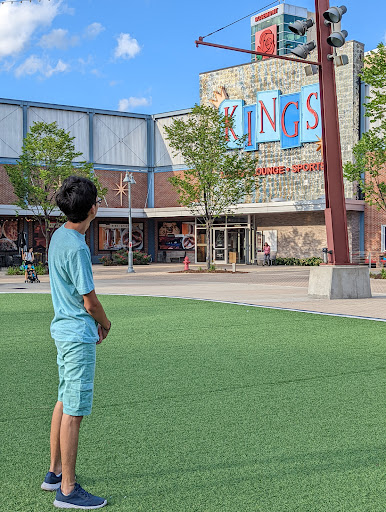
point(369, 166)
point(47, 158)
point(217, 178)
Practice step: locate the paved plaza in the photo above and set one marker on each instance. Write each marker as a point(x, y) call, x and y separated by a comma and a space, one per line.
point(278, 287)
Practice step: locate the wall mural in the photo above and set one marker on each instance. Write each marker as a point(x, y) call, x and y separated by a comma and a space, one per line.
point(178, 236)
point(8, 235)
point(116, 236)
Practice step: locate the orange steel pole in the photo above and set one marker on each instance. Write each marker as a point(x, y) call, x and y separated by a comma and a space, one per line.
point(335, 212)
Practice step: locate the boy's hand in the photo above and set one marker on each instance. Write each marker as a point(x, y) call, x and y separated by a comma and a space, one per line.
point(102, 332)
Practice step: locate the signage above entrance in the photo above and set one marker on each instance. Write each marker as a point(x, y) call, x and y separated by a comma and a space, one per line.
point(282, 169)
point(293, 119)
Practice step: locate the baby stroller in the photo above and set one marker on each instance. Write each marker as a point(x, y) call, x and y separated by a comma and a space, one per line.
point(31, 274)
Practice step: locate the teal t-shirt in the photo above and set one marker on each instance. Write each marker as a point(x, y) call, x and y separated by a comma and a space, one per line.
point(69, 262)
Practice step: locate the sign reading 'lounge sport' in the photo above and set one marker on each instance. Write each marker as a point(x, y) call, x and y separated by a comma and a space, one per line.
point(293, 119)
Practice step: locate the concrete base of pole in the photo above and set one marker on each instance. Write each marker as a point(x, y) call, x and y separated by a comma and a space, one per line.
point(339, 282)
point(130, 270)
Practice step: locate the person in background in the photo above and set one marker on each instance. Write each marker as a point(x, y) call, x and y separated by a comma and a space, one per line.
point(31, 273)
point(267, 254)
point(28, 257)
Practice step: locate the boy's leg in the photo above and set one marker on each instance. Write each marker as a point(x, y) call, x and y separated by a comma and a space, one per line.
point(69, 436)
point(56, 463)
point(76, 377)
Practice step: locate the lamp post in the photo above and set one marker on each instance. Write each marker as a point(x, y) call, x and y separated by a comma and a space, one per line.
point(129, 179)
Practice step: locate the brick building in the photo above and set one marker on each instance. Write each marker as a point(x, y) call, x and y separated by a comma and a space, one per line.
point(286, 209)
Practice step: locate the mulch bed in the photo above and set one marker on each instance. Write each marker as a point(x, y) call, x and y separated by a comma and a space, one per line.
point(376, 276)
point(207, 272)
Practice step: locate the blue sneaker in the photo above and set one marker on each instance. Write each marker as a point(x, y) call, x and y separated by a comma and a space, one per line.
point(51, 481)
point(79, 498)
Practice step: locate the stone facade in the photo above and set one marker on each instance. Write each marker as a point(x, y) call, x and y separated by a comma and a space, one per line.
point(242, 82)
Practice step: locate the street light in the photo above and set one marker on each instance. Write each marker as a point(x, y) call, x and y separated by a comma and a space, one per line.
point(302, 50)
point(129, 179)
point(300, 27)
point(334, 14)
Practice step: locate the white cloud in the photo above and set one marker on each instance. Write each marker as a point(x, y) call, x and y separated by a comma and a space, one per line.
point(65, 9)
point(97, 72)
point(132, 102)
point(127, 47)
point(58, 38)
point(93, 30)
point(7, 65)
point(83, 65)
point(35, 65)
point(18, 22)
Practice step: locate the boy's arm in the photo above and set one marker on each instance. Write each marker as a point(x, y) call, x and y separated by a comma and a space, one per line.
point(95, 309)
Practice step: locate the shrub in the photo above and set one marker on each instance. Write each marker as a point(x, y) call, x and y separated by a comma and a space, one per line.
point(14, 271)
point(305, 262)
point(141, 258)
point(121, 258)
point(40, 270)
point(106, 260)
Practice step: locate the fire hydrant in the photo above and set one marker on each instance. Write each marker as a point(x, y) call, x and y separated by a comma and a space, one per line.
point(186, 263)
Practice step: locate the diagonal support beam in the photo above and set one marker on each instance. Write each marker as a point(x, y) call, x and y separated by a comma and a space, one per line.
point(200, 41)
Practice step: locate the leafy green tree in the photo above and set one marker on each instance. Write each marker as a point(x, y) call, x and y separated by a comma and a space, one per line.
point(369, 166)
point(47, 158)
point(217, 178)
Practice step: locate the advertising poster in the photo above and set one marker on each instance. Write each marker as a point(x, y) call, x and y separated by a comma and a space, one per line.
point(8, 235)
point(178, 236)
point(116, 236)
point(39, 242)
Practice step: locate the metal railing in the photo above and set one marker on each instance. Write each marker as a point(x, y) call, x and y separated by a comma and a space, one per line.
point(371, 259)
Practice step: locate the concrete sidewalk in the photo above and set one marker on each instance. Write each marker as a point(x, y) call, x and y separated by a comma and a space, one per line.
point(279, 287)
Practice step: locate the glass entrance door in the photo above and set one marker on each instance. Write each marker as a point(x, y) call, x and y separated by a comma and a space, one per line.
point(219, 255)
point(236, 245)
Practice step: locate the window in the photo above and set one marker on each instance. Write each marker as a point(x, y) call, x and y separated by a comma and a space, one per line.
point(383, 238)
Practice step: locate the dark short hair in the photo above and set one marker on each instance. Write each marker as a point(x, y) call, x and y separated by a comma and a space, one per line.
point(76, 197)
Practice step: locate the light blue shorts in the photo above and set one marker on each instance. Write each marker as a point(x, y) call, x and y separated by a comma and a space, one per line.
point(76, 363)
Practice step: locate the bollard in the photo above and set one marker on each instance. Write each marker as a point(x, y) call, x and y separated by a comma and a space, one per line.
point(233, 267)
point(186, 263)
point(325, 257)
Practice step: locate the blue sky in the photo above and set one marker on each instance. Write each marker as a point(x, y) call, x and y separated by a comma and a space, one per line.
point(134, 56)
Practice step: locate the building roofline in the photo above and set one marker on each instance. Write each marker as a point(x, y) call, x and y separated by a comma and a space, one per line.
point(54, 106)
point(172, 113)
point(87, 110)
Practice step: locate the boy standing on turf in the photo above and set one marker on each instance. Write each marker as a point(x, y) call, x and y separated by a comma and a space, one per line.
point(79, 324)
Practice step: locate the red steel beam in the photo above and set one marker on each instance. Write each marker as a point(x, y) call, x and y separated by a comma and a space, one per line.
point(335, 212)
point(283, 57)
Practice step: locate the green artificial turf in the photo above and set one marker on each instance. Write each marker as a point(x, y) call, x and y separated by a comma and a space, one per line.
point(203, 407)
